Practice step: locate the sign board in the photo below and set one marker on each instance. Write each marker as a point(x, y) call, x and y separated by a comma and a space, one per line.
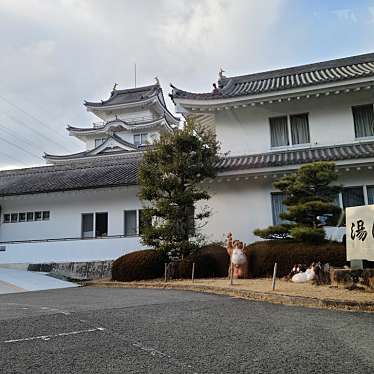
point(360, 232)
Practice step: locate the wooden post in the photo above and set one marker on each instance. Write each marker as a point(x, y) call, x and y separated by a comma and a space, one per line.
point(231, 274)
point(274, 276)
point(166, 272)
point(193, 272)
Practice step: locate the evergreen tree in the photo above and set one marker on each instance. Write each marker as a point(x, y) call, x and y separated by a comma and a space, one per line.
point(310, 195)
point(170, 186)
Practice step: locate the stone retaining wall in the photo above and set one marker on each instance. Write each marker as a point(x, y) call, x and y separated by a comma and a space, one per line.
point(77, 270)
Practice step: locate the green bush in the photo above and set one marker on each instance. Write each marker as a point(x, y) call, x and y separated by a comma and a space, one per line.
point(308, 234)
point(139, 265)
point(274, 232)
point(262, 255)
point(210, 261)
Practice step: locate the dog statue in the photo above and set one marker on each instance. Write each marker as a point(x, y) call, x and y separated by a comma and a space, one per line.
point(238, 259)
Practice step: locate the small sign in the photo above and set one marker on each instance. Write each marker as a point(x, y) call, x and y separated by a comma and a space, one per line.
point(2, 248)
point(360, 233)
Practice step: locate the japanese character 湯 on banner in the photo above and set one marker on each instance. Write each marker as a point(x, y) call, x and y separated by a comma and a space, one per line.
point(360, 232)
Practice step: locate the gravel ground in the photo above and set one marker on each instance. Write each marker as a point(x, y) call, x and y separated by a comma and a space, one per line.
point(289, 288)
point(100, 330)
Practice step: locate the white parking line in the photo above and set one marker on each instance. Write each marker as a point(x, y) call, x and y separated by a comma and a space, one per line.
point(48, 337)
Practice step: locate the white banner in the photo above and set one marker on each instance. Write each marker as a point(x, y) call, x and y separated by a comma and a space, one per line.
point(360, 232)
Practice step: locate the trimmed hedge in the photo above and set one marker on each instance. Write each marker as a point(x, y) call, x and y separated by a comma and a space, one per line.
point(286, 253)
point(211, 261)
point(139, 265)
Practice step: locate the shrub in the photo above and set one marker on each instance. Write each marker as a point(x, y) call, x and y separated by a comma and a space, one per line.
point(274, 232)
point(139, 265)
point(210, 261)
point(308, 234)
point(262, 255)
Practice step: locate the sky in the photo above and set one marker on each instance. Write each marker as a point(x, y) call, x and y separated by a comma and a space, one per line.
point(56, 54)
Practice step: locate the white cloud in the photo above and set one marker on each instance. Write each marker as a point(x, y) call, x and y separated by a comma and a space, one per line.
point(57, 53)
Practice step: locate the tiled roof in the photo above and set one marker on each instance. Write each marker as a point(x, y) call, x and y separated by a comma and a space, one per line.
point(289, 78)
point(115, 171)
point(93, 173)
point(298, 156)
point(119, 97)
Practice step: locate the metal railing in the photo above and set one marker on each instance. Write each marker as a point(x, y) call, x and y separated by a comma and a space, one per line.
point(50, 240)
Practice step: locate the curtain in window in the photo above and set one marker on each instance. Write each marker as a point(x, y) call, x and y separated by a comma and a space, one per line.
point(130, 223)
point(363, 118)
point(277, 207)
point(87, 225)
point(353, 196)
point(370, 191)
point(300, 129)
point(279, 131)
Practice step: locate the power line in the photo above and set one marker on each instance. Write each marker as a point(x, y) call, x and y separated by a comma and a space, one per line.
point(35, 119)
point(28, 114)
point(38, 132)
point(17, 136)
point(20, 148)
point(13, 159)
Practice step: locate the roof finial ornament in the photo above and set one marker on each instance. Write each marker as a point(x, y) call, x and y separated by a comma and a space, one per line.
point(115, 86)
point(220, 73)
point(157, 80)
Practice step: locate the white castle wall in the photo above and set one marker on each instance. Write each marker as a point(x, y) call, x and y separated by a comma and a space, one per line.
point(247, 130)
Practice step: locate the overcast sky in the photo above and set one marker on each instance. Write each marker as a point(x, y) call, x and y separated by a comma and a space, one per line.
point(58, 53)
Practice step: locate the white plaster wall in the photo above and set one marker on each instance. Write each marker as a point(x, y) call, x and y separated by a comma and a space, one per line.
point(242, 206)
point(247, 130)
point(126, 115)
point(69, 251)
point(65, 212)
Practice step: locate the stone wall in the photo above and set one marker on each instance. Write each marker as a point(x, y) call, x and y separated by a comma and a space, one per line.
point(77, 270)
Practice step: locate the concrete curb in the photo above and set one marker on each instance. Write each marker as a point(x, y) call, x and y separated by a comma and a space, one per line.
point(312, 302)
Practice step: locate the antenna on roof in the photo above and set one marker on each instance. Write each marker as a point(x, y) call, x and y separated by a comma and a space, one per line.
point(135, 73)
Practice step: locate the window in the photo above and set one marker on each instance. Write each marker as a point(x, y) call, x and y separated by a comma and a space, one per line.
point(353, 196)
point(363, 119)
point(22, 217)
point(130, 223)
point(46, 215)
point(143, 222)
point(87, 225)
point(38, 216)
point(300, 129)
point(370, 191)
point(140, 139)
point(279, 131)
point(29, 216)
point(6, 218)
point(14, 217)
point(101, 224)
point(99, 141)
point(277, 207)
point(296, 128)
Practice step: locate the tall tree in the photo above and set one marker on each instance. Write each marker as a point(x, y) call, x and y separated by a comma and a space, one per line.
point(170, 188)
point(310, 200)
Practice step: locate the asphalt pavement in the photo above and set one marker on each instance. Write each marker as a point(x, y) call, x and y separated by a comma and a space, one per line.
point(98, 330)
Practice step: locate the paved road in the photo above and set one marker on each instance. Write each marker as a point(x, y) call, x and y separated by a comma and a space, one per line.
point(12, 280)
point(88, 330)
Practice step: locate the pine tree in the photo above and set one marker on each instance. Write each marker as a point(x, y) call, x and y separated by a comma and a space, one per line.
point(310, 195)
point(171, 176)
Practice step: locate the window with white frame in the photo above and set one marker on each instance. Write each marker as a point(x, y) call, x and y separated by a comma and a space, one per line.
point(94, 225)
point(363, 119)
point(353, 196)
point(26, 216)
point(140, 139)
point(277, 207)
point(131, 223)
point(289, 130)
